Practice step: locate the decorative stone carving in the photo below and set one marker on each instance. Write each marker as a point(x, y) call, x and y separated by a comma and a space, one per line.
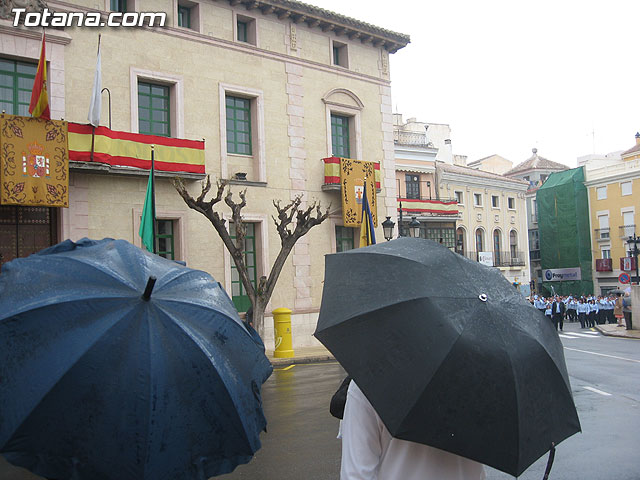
point(30, 6)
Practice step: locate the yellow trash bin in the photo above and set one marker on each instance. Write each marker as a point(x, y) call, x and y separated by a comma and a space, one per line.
point(282, 333)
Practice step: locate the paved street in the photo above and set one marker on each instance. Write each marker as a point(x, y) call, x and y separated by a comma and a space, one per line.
point(604, 373)
point(301, 441)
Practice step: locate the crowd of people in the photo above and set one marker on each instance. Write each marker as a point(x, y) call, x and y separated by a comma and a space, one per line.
point(589, 310)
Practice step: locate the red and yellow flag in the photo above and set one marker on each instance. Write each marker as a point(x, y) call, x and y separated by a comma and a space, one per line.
point(39, 106)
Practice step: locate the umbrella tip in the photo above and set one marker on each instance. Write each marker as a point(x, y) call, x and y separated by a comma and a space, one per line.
point(147, 291)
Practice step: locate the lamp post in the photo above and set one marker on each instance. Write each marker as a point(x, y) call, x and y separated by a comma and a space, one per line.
point(414, 228)
point(387, 227)
point(634, 240)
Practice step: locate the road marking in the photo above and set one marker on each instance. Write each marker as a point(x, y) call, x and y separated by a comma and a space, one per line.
point(591, 332)
point(585, 335)
point(565, 336)
point(602, 355)
point(598, 391)
point(285, 368)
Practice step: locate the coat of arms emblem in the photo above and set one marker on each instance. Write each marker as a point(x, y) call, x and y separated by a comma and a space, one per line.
point(35, 163)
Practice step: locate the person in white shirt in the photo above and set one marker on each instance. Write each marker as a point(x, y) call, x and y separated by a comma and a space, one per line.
point(369, 452)
point(583, 311)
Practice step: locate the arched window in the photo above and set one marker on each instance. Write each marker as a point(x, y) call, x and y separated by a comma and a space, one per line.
point(497, 246)
point(513, 243)
point(479, 242)
point(460, 243)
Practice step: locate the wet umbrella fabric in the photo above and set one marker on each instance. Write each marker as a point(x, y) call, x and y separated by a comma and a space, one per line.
point(97, 383)
point(448, 352)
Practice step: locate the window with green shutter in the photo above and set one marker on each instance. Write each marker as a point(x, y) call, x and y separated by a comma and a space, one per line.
point(243, 31)
point(344, 238)
point(165, 244)
point(154, 115)
point(184, 16)
point(16, 83)
point(340, 144)
point(238, 292)
point(238, 125)
point(119, 6)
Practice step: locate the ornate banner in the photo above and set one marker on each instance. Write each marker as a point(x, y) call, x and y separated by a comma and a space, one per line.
point(352, 177)
point(34, 163)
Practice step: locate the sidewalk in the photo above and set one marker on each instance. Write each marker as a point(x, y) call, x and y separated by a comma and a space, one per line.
point(615, 331)
point(302, 355)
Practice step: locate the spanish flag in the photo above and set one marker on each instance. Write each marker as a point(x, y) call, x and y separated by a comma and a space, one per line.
point(39, 106)
point(367, 233)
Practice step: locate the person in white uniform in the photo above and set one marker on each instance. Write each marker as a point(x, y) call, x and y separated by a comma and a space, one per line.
point(369, 452)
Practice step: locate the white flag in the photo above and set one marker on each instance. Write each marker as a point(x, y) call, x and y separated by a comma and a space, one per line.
point(96, 94)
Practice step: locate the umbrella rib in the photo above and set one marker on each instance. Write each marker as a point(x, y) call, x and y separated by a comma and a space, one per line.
point(202, 347)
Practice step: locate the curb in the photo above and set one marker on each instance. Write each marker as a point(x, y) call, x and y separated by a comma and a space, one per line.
point(283, 362)
point(616, 334)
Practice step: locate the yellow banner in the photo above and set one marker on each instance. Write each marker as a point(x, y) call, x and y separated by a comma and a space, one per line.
point(352, 178)
point(34, 162)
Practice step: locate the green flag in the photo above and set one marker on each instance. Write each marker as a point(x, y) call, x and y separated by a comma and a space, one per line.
point(146, 223)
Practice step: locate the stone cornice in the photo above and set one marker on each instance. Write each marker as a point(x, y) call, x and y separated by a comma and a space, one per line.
point(53, 35)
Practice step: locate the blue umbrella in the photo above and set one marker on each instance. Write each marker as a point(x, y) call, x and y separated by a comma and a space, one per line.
point(98, 381)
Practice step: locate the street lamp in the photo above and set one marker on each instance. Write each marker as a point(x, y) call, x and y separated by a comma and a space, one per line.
point(387, 226)
point(635, 240)
point(414, 228)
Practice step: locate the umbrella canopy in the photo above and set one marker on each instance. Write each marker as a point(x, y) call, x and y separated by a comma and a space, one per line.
point(448, 352)
point(99, 383)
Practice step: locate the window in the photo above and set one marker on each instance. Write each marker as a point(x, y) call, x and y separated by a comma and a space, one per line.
point(535, 240)
point(460, 241)
point(511, 203)
point(154, 116)
point(543, 178)
point(495, 201)
point(344, 238)
point(246, 29)
point(16, 83)
point(477, 199)
point(479, 241)
point(340, 141)
point(601, 193)
point(238, 125)
point(119, 6)
point(412, 183)
point(497, 246)
point(165, 244)
point(459, 197)
point(626, 188)
point(184, 16)
point(238, 293)
point(606, 253)
point(339, 54)
point(513, 244)
point(242, 31)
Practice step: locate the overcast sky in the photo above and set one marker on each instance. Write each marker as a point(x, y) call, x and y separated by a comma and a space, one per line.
point(562, 76)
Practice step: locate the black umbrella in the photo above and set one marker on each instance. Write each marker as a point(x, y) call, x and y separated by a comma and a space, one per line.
point(448, 352)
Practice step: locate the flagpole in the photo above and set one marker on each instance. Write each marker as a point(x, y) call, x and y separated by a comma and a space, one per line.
point(153, 196)
point(93, 128)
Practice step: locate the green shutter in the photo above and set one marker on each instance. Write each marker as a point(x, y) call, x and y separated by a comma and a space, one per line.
point(165, 245)
point(16, 84)
point(344, 239)
point(340, 142)
point(238, 293)
point(238, 125)
point(184, 16)
point(154, 115)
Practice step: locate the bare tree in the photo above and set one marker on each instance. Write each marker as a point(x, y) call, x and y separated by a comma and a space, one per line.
point(292, 222)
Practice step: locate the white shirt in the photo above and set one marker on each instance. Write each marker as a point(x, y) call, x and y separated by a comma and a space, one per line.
point(369, 452)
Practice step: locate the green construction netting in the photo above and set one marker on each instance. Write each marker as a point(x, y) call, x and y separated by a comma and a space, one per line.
point(563, 226)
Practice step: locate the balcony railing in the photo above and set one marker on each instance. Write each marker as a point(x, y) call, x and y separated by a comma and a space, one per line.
point(501, 259)
point(604, 265)
point(628, 264)
point(417, 139)
point(332, 174)
point(602, 234)
point(627, 231)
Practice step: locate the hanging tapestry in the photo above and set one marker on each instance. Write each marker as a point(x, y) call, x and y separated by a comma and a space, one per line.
point(353, 174)
point(34, 163)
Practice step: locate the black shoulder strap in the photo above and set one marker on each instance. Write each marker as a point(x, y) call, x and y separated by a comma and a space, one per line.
point(339, 399)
